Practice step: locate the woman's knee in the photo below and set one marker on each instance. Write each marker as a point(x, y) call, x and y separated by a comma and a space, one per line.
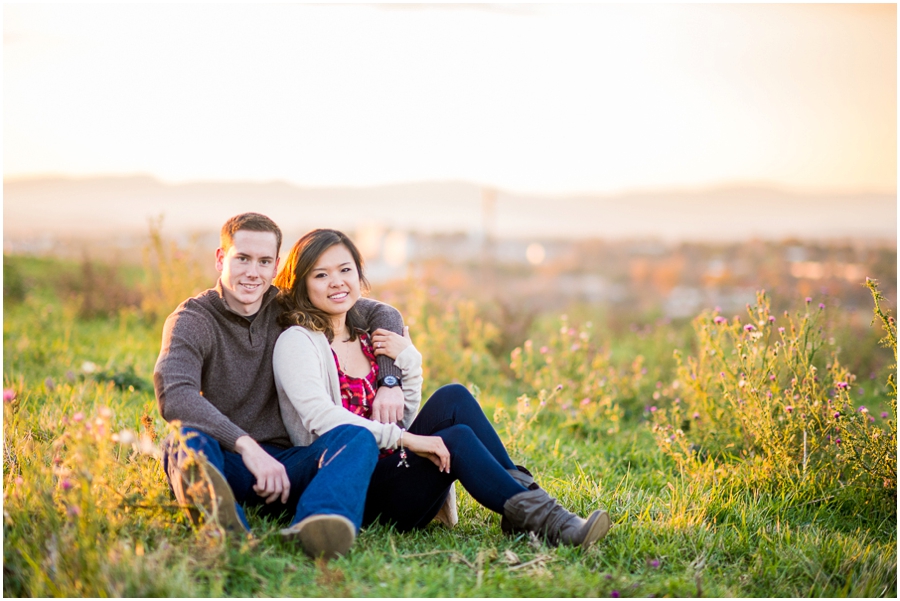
point(453, 394)
point(458, 437)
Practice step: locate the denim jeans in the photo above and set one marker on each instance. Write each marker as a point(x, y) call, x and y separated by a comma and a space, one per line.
point(329, 476)
point(410, 497)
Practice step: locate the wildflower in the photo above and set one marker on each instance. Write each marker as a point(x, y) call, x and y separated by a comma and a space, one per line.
point(837, 414)
point(721, 374)
point(544, 350)
point(696, 415)
point(749, 327)
point(70, 375)
point(558, 387)
point(719, 320)
point(614, 594)
point(842, 385)
point(771, 377)
point(676, 401)
point(105, 412)
point(821, 305)
point(88, 367)
point(653, 409)
point(884, 414)
point(771, 319)
point(66, 484)
point(789, 409)
point(862, 409)
point(808, 300)
point(585, 402)
point(8, 395)
point(781, 330)
point(73, 510)
point(78, 417)
point(672, 438)
point(49, 384)
point(653, 563)
point(608, 576)
point(575, 347)
point(837, 441)
point(871, 419)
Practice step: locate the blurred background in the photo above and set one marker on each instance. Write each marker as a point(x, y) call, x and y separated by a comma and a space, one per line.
point(635, 163)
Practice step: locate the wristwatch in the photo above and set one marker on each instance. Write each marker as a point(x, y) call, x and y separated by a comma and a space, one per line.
point(389, 381)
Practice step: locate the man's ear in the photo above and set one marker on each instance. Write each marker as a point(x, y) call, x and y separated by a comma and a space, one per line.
point(220, 260)
point(277, 263)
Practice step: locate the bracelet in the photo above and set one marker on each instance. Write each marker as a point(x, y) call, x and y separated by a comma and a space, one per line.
point(403, 461)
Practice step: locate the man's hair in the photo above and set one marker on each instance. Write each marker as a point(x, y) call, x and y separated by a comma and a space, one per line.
point(252, 222)
point(293, 293)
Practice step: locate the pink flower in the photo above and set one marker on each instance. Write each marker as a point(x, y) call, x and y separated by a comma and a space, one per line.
point(696, 415)
point(837, 441)
point(585, 402)
point(772, 377)
point(789, 409)
point(653, 409)
point(837, 414)
point(8, 395)
point(808, 300)
point(559, 387)
point(821, 305)
point(73, 510)
point(771, 319)
point(719, 320)
point(66, 484)
point(884, 414)
point(544, 350)
point(781, 330)
point(78, 416)
point(842, 385)
point(862, 409)
point(653, 563)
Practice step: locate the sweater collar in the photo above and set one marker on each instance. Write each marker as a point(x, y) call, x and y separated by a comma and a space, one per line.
point(222, 306)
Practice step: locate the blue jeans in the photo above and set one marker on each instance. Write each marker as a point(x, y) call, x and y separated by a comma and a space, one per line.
point(329, 476)
point(410, 497)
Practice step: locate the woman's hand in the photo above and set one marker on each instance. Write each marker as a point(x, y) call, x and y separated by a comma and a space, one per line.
point(429, 447)
point(389, 343)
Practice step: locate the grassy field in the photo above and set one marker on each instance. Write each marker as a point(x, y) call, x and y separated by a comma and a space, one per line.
point(735, 454)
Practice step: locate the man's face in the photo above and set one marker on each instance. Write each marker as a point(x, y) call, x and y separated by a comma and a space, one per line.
point(247, 268)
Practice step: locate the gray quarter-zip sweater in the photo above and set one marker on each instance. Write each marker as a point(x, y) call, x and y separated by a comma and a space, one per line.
point(214, 371)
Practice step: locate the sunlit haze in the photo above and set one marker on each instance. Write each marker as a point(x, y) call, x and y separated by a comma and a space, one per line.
point(529, 98)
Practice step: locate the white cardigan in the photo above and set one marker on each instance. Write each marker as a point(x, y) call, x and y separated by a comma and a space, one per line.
point(309, 391)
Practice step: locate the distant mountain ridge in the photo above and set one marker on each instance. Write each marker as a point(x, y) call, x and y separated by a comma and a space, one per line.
point(103, 206)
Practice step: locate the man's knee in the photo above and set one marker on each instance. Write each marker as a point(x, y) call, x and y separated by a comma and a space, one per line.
point(354, 440)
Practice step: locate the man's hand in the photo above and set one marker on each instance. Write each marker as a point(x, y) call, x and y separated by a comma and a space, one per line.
point(271, 477)
point(387, 408)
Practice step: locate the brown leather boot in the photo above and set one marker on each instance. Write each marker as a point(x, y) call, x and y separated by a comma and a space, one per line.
point(523, 477)
point(538, 512)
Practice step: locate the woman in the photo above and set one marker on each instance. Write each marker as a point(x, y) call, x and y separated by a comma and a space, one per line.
point(325, 373)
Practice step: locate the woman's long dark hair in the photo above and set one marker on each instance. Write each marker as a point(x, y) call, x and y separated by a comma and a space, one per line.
point(293, 293)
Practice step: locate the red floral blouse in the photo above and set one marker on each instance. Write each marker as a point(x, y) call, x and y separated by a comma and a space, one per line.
point(358, 394)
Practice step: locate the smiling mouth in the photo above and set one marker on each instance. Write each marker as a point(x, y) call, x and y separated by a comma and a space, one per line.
point(339, 296)
point(251, 286)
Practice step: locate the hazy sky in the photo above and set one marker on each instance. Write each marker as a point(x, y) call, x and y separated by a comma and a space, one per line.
point(530, 98)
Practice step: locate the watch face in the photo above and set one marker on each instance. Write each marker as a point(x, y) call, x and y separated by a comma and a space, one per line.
point(390, 381)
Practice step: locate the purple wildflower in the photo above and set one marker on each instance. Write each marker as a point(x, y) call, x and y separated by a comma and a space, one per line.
point(862, 409)
point(808, 299)
point(79, 416)
point(614, 594)
point(837, 414)
point(789, 409)
point(771, 319)
point(696, 415)
point(73, 510)
point(837, 441)
point(653, 409)
point(544, 350)
point(719, 320)
point(884, 414)
point(8, 395)
point(749, 327)
point(781, 330)
point(821, 305)
point(585, 402)
point(653, 563)
point(842, 385)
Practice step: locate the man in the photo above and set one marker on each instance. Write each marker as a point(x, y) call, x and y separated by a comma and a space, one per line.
point(214, 375)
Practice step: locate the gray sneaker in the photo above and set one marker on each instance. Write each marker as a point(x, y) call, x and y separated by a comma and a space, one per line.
point(323, 535)
point(203, 491)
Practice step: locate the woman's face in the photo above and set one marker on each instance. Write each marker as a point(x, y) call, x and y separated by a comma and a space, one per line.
point(333, 282)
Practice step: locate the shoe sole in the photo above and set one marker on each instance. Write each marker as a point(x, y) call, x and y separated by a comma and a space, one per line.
point(196, 488)
point(327, 536)
point(599, 526)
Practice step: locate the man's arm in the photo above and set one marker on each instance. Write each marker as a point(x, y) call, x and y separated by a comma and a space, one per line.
point(387, 407)
point(176, 379)
point(380, 315)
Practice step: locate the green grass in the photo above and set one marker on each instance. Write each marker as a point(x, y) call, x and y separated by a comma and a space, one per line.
point(85, 516)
